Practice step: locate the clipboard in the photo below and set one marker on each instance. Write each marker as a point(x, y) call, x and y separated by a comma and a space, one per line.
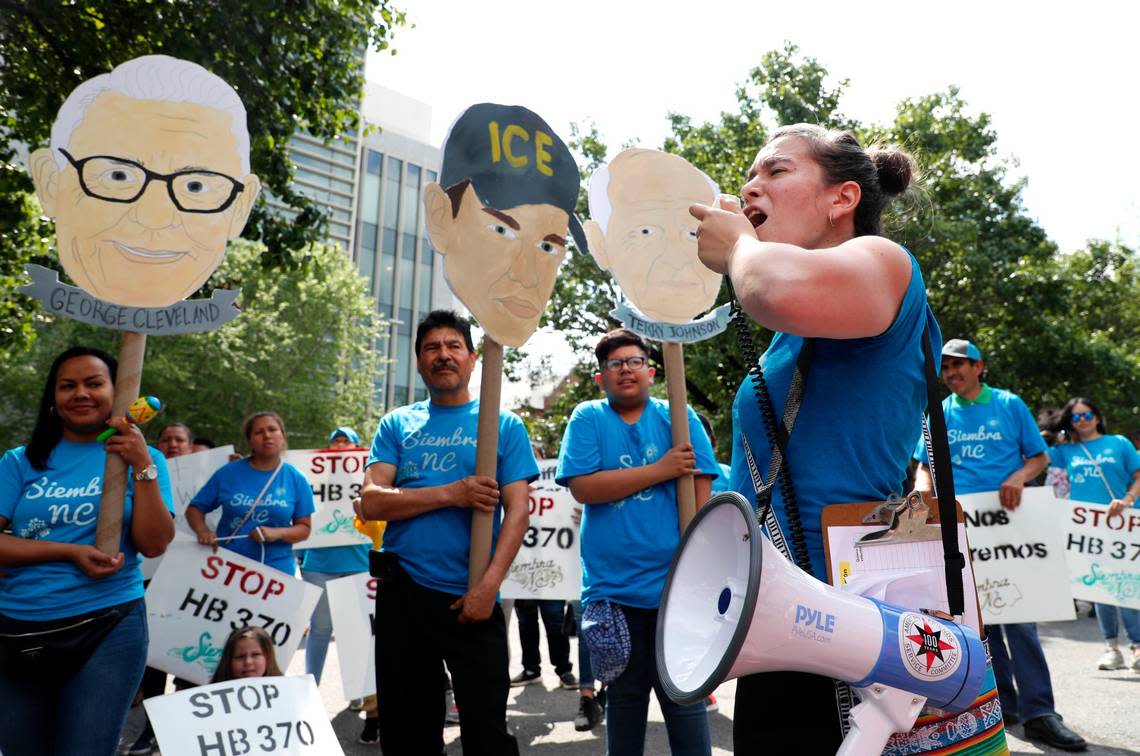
point(910, 556)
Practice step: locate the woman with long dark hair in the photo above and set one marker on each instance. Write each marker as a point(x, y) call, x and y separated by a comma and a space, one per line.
point(73, 638)
point(1103, 469)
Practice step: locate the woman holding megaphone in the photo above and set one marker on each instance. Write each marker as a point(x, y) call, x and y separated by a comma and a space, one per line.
point(805, 258)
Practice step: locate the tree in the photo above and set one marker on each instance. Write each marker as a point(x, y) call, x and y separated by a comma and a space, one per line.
point(303, 346)
point(1050, 325)
point(296, 65)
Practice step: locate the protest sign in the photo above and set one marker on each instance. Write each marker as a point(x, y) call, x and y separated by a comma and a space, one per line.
point(335, 475)
point(641, 231)
point(503, 271)
point(352, 605)
point(1018, 557)
point(274, 715)
point(197, 598)
point(132, 273)
point(1103, 553)
point(188, 474)
point(548, 565)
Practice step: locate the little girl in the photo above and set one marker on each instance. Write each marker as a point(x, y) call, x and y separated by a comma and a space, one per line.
point(248, 653)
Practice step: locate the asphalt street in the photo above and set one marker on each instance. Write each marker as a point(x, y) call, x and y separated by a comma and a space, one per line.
point(1103, 706)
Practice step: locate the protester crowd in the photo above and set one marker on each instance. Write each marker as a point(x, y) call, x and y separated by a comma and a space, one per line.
point(808, 232)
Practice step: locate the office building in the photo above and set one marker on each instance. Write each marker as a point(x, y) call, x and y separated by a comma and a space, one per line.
point(371, 187)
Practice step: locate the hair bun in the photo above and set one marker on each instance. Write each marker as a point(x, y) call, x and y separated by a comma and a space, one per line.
point(896, 168)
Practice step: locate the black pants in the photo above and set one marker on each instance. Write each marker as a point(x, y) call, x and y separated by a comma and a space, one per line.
point(553, 613)
point(786, 712)
point(415, 632)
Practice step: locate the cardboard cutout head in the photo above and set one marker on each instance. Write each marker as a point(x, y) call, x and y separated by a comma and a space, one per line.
point(500, 214)
point(643, 234)
point(147, 179)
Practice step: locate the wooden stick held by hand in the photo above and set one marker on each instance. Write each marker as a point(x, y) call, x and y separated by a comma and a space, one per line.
point(679, 424)
point(128, 378)
point(486, 456)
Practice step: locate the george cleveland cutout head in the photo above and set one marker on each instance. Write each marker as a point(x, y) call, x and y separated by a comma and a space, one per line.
point(147, 179)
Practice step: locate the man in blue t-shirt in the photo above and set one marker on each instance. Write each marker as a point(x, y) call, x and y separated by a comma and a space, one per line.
point(995, 445)
point(619, 459)
point(420, 478)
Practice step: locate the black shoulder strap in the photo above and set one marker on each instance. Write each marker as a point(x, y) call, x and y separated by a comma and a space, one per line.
point(941, 474)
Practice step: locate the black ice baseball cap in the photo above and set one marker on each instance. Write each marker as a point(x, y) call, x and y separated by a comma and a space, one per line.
point(512, 157)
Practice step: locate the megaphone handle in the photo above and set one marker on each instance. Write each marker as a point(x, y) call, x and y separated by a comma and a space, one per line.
point(882, 712)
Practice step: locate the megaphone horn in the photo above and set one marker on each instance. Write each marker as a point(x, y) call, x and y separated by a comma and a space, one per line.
point(734, 606)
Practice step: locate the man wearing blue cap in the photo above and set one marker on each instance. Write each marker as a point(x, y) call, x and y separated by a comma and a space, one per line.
point(995, 445)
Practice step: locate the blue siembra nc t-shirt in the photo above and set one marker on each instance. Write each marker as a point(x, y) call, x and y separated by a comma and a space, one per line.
point(627, 545)
point(1118, 461)
point(990, 438)
point(860, 416)
point(61, 503)
point(235, 487)
point(433, 445)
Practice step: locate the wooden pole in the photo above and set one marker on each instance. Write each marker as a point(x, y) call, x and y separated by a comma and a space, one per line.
point(486, 456)
point(109, 529)
point(679, 423)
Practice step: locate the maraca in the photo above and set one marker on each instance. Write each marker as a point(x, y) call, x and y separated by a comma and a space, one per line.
point(141, 410)
point(374, 529)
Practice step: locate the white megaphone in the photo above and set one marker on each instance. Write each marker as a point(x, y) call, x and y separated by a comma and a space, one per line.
point(734, 606)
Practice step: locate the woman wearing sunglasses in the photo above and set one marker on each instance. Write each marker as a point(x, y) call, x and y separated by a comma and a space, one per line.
point(1102, 469)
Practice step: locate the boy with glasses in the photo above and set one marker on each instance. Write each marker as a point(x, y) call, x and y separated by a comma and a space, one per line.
point(619, 460)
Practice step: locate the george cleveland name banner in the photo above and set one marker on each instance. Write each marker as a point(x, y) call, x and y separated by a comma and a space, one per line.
point(188, 316)
point(272, 715)
point(1018, 557)
point(548, 565)
point(197, 598)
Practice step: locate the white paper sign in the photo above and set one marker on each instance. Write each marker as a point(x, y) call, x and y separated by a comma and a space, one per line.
point(352, 604)
point(188, 473)
point(1103, 553)
point(548, 565)
point(1019, 557)
point(335, 477)
point(197, 598)
point(273, 715)
point(908, 574)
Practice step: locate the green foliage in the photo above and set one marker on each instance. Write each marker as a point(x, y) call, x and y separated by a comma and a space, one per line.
point(23, 238)
point(303, 346)
point(296, 65)
point(1051, 326)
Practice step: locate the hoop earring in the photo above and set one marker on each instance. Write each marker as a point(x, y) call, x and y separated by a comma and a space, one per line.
point(830, 220)
point(51, 410)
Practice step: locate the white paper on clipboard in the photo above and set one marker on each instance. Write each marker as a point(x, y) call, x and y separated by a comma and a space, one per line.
point(909, 574)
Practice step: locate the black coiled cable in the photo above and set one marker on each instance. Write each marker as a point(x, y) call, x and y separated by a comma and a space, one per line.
point(777, 436)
